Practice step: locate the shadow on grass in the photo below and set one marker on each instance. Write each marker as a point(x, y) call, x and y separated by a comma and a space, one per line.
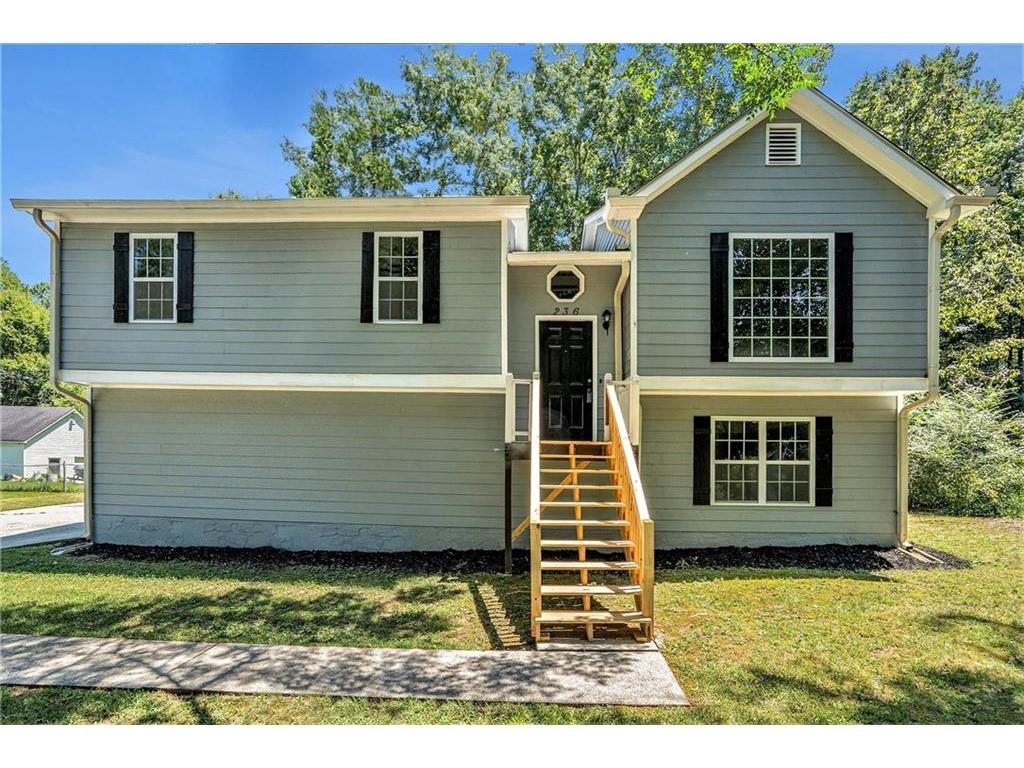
point(954, 693)
point(243, 614)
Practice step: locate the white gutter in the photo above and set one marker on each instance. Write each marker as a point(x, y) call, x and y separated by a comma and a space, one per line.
point(936, 231)
point(87, 415)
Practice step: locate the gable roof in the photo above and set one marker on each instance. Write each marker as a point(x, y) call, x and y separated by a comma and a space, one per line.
point(18, 423)
point(851, 133)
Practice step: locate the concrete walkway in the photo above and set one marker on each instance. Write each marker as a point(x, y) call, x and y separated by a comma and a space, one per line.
point(39, 525)
point(548, 677)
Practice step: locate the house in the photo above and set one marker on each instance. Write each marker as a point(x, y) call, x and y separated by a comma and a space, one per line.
point(728, 358)
point(41, 442)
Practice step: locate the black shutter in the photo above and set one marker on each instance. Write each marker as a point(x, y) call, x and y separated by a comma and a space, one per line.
point(844, 297)
point(719, 297)
point(121, 264)
point(432, 276)
point(823, 461)
point(366, 293)
point(701, 460)
point(186, 270)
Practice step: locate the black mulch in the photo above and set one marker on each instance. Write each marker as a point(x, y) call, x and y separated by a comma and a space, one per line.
point(833, 557)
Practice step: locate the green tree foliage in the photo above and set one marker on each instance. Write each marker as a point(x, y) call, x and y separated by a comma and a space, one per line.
point(575, 123)
point(966, 456)
point(25, 343)
point(939, 112)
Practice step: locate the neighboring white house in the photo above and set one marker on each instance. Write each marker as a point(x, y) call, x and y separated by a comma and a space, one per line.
point(41, 441)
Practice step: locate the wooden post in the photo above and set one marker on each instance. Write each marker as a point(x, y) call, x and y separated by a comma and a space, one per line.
point(508, 511)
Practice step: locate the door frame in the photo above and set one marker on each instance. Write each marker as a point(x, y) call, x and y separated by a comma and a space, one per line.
point(592, 319)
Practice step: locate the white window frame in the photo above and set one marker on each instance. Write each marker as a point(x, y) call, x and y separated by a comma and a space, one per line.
point(830, 236)
point(377, 278)
point(575, 271)
point(762, 461)
point(132, 278)
point(799, 144)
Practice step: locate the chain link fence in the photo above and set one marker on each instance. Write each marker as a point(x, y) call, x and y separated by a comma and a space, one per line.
point(56, 472)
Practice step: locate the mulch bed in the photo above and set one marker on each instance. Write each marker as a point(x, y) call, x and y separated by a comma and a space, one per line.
point(832, 557)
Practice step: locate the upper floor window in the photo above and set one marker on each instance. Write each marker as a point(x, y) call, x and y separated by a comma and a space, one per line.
point(153, 286)
point(782, 144)
point(780, 297)
point(397, 289)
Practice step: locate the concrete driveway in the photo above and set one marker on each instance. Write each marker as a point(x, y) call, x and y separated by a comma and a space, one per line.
point(39, 525)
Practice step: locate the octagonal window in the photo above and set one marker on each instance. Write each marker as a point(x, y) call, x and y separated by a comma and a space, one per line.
point(565, 283)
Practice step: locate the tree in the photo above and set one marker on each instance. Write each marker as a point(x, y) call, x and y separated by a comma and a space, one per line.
point(939, 112)
point(25, 343)
point(576, 122)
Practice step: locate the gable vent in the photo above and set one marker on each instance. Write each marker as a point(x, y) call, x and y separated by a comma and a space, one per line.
point(782, 144)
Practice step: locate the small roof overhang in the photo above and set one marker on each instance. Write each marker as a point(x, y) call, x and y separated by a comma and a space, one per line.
point(398, 209)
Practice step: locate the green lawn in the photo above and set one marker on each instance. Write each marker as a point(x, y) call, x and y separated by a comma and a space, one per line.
point(23, 494)
point(749, 646)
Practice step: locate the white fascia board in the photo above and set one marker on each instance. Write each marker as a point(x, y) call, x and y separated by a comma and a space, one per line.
point(666, 179)
point(969, 205)
point(578, 258)
point(781, 385)
point(328, 382)
point(854, 136)
point(418, 209)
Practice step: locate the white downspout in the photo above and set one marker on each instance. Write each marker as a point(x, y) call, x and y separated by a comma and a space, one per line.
point(617, 297)
point(903, 417)
point(87, 415)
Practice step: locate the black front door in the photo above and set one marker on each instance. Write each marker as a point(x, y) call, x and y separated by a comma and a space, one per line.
point(566, 380)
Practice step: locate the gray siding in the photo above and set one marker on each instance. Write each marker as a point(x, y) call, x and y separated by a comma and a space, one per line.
point(298, 470)
point(864, 475)
point(627, 314)
point(831, 191)
point(528, 298)
point(284, 297)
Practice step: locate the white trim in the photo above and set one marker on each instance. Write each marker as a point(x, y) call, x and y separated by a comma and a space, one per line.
point(566, 268)
point(402, 279)
point(835, 122)
point(781, 385)
point(537, 320)
point(830, 236)
point(503, 256)
point(762, 461)
point(634, 301)
point(173, 280)
point(358, 382)
point(579, 258)
point(767, 143)
point(352, 209)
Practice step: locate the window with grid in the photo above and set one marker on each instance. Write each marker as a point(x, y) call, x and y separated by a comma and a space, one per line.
point(397, 294)
point(153, 288)
point(781, 297)
point(762, 461)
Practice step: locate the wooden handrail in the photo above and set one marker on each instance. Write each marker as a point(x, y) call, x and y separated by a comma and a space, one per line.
point(535, 552)
point(631, 494)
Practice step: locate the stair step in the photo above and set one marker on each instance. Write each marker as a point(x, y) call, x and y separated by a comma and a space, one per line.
point(593, 617)
point(570, 504)
point(578, 456)
point(578, 590)
point(595, 543)
point(568, 470)
point(570, 487)
point(588, 565)
point(585, 523)
point(575, 442)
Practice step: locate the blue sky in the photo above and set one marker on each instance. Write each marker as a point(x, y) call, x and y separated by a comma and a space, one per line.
point(188, 121)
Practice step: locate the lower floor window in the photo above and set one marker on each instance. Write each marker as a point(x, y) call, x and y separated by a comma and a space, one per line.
point(762, 460)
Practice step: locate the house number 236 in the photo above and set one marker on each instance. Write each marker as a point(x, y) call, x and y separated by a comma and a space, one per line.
point(567, 310)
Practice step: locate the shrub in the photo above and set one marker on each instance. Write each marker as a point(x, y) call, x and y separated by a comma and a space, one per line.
point(967, 457)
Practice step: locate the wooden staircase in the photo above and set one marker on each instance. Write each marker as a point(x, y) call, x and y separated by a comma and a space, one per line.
point(591, 538)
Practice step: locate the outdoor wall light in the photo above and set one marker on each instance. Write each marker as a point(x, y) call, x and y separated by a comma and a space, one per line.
point(606, 319)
